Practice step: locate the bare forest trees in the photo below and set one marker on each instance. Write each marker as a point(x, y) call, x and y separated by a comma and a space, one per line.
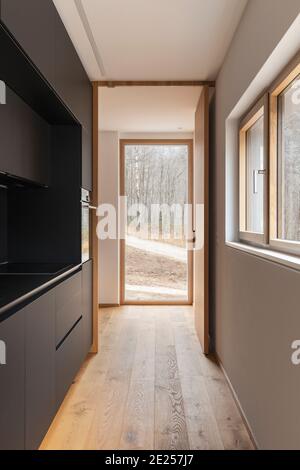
point(156, 174)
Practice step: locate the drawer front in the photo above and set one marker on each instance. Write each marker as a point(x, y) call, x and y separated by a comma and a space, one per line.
point(87, 304)
point(12, 376)
point(68, 305)
point(40, 368)
point(68, 359)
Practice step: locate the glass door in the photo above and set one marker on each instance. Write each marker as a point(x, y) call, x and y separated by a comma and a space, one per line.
point(157, 182)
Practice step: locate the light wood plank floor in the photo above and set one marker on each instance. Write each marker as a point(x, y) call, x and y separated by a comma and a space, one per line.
point(150, 387)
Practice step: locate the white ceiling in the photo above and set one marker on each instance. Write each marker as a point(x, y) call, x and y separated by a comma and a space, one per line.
point(148, 109)
point(151, 39)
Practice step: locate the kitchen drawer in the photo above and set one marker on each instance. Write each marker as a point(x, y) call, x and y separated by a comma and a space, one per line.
point(87, 304)
point(68, 306)
point(68, 359)
point(40, 368)
point(12, 377)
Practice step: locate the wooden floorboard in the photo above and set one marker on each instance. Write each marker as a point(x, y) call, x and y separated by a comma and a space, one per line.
point(149, 387)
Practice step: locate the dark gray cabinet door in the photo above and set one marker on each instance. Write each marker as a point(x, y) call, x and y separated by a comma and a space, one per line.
point(87, 163)
point(12, 375)
point(68, 359)
point(38, 28)
point(25, 141)
point(40, 368)
point(68, 306)
point(87, 304)
point(75, 89)
point(31, 22)
point(71, 81)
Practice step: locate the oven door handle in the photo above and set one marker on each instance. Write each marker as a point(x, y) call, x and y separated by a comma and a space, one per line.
point(86, 205)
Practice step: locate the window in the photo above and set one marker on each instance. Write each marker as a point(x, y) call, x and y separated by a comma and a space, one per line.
point(269, 166)
point(253, 169)
point(285, 162)
point(289, 163)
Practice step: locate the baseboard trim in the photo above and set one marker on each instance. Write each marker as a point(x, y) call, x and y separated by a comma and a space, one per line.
point(108, 305)
point(238, 404)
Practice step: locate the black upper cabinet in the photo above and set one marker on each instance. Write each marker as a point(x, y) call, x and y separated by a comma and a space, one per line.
point(87, 164)
point(40, 368)
point(39, 30)
point(71, 81)
point(25, 141)
point(73, 86)
point(31, 22)
point(12, 375)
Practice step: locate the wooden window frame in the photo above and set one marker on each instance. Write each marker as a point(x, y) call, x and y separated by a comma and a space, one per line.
point(260, 109)
point(281, 83)
point(190, 144)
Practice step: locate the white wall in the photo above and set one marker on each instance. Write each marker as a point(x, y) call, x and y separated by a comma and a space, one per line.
point(108, 194)
point(255, 307)
point(109, 250)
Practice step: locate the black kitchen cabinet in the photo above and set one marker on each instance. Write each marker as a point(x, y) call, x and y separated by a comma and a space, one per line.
point(87, 164)
point(71, 81)
point(31, 22)
point(68, 306)
point(35, 373)
point(12, 375)
point(25, 141)
point(87, 305)
point(73, 86)
point(40, 368)
point(39, 30)
point(68, 359)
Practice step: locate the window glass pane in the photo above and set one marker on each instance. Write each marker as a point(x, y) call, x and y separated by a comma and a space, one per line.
point(255, 179)
point(289, 162)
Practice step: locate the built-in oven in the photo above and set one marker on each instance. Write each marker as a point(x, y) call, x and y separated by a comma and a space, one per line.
point(85, 225)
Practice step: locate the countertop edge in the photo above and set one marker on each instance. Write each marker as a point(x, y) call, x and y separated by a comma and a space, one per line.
point(38, 289)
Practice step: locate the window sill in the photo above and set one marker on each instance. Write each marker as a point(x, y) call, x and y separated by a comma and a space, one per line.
point(291, 261)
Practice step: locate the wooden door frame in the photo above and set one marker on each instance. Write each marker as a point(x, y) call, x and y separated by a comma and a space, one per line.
point(95, 202)
point(190, 144)
point(202, 315)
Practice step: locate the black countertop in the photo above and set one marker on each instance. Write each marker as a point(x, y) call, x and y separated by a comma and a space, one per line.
point(18, 289)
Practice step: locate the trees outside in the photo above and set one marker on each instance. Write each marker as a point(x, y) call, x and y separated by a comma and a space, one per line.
point(156, 174)
point(289, 164)
point(156, 266)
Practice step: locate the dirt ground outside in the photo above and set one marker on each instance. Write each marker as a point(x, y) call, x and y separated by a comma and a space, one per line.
point(160, 276)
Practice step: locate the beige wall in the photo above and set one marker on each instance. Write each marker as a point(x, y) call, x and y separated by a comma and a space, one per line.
point(109, 253)
point(108, 194)
point(254, 302)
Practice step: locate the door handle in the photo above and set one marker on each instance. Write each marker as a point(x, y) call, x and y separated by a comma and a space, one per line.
point(255, 174)
point(193, 239)
point(2, 92)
